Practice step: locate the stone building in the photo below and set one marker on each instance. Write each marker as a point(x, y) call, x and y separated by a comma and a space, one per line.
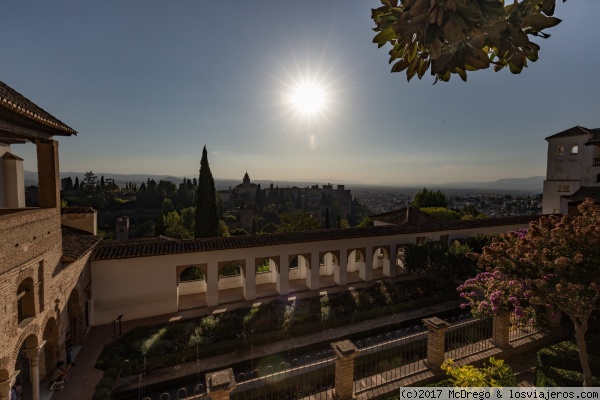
point(44, 269)
point(573, 169)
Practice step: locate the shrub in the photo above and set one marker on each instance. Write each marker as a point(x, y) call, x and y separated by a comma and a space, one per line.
point(102, 394)
point(556, 377)
point(106, 382)
point(565, 355)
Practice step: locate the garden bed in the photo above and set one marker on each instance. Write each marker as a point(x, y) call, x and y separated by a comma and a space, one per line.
point(152, 347)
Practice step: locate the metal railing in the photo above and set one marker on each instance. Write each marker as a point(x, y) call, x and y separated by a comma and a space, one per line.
point(467, 337)
point(300, 378)
point(390, 357)
point(197, 393)
point(519, 331)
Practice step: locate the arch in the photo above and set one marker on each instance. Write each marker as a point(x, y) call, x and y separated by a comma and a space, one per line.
point(28, 338)
point(25, 300)
point(266, 273)
point(356, 260)
point(192, 273)
point(299, 268)
point(191, 292)
point(329, 261)
point(381, 256)
point(75, 321)
point(231, 276)
point(231, 268)
point(50, 351)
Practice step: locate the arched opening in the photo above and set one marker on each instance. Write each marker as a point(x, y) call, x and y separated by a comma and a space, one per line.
point(400, 265)
point(49, 353)
point(75, 322)
point(381, 262)
point(25, 300)
point(299, 268)
point(231, 281)
point(356, 264)
point(328, 265)
point(25, 366)
point(191, 287)
point(560, 150)
point(266, 277)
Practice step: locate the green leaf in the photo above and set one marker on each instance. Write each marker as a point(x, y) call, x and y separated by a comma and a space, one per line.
point(539, 21)
point(384, 36)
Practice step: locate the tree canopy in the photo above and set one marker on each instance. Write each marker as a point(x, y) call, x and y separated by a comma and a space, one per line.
point(455, 36)
point(430, 198)
point(554, 265)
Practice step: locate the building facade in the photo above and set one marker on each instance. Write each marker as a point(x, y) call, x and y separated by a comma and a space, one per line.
point(44, 269)
point(573, 169)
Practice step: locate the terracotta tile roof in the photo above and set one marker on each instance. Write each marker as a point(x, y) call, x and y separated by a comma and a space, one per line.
point(583, 192)
point(571, 132)
point(120, 250)
point(14, 105)
point(595, 139)
point(77, 243)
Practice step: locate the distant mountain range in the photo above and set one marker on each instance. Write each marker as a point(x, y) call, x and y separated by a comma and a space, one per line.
point(532, 184)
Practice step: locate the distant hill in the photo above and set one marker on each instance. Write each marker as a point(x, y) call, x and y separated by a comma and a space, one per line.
point(533, 184)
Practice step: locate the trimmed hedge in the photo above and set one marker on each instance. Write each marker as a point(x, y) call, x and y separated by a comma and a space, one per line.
point(566, 356)
point(559, 365)
point(556, 377)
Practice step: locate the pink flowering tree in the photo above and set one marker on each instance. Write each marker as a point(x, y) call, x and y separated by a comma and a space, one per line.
point(554, 265)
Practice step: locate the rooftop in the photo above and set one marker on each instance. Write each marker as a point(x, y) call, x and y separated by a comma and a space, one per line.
point(20, 111)
point(130, 249)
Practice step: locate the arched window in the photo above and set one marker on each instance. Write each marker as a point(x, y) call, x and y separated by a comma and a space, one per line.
point(191, 274)
point(231, 269)
point(574, 149)
point(25, 300)
point(560, 150)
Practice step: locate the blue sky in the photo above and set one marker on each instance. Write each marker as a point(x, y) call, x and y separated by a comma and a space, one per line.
point(148, 83)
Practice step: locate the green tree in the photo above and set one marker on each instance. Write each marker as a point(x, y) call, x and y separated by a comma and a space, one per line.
point(429, 198)
point(441, 213)
point(297, 221)
point(554, 265)
point(207, 218)
point(455, 36)
point(76, 184)
point(90, 180)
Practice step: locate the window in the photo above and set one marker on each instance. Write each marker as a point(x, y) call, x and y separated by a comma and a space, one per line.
point(574, 149)
point(598, 178)
point(563, 188)
point(25, 300)
point(560, 150)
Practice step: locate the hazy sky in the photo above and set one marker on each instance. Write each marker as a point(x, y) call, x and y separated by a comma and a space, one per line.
point(148, 83)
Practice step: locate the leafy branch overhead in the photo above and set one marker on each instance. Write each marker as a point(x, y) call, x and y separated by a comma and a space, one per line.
point(455, 36)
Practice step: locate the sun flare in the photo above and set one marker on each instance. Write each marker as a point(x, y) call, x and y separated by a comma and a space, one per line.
point(308, 98)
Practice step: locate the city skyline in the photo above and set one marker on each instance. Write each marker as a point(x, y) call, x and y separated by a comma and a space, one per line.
point(147, 84)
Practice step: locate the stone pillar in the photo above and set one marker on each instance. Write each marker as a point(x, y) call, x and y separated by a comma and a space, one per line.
point(345, 352)
point(220, 384)
point(48, 176)
point(367, 273)
point(283, 275)
point(340, 274)
point(312, 275)
point(34, 364)
point(436, 339)
point(250, 279)
point(212, 284)
point(389, 268)
point(501, 330)
point(6, 385)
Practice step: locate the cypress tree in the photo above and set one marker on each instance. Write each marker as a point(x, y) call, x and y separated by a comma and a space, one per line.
point(207, 219)
point(76, 185)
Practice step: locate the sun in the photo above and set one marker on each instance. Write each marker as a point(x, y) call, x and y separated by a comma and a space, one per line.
point(308, 98)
